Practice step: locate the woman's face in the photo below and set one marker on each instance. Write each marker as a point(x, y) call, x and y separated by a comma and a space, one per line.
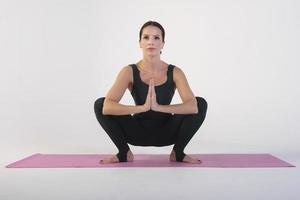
point(151, 41)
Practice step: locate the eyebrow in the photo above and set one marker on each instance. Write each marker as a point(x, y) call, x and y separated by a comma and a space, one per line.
point(148, 34)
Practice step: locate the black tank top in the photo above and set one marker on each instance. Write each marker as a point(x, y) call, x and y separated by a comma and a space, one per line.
point(164, 93)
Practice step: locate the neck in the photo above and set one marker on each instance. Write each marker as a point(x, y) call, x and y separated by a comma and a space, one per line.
point(152, 64)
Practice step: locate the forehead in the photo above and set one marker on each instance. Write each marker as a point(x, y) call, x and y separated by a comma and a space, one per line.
point(151, 30)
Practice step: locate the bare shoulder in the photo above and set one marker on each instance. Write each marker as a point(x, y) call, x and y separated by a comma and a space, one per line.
point(126, 73)
point(126, 69)
point(178, 73)
point(120, 85)
point(182, 84)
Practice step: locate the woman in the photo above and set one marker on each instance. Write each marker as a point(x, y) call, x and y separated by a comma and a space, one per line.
point(152, 121)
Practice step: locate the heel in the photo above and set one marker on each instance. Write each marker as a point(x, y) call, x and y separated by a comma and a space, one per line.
point(122, 157)
point(179, 156)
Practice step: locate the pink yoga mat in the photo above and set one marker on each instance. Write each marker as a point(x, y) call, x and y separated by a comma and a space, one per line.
point(148, 160)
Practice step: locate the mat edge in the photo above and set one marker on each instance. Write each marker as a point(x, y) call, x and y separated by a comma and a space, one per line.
point(12, 165)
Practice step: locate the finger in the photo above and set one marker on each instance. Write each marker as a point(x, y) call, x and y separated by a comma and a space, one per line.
point(150, 87)
point(153, 93)
point(153, 87)
point(151, 83)
point(150, 90)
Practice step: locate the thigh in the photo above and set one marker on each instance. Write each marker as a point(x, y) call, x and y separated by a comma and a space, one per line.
point(171, 127)
point(135, 132)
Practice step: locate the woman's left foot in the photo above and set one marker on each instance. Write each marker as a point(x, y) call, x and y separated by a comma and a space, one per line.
point(115, 159)
point(186, 158)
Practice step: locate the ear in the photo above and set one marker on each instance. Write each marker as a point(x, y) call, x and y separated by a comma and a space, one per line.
point(163, 45)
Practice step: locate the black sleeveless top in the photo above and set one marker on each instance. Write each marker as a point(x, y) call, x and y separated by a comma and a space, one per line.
point(164, 93)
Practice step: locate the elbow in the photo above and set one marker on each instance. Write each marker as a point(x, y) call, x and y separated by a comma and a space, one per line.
point(105, 110)
point(196, 110)
point(192, 106)
point(195, 107)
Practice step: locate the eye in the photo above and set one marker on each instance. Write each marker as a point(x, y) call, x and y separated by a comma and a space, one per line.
point(146, 37)
point(157, 38)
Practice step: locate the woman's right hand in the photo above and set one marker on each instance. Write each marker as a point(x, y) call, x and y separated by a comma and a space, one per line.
point(147, 105)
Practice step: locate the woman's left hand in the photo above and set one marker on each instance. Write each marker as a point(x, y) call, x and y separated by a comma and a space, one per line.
point(154, 104)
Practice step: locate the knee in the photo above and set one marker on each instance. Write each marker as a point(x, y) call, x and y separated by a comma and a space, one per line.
point(98, 105)
point(202, 104)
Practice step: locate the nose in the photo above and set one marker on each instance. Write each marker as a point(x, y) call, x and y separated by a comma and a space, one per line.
point(150, 41)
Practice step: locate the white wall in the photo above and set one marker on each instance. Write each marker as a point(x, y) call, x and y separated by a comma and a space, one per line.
point(58, 57)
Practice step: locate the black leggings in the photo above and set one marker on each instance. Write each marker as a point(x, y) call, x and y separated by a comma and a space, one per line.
point(176, 129)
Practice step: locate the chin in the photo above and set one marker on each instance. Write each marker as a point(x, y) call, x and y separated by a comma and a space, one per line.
point(152, 54)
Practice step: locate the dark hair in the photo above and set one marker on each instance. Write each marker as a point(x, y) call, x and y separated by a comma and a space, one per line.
point(156, 24)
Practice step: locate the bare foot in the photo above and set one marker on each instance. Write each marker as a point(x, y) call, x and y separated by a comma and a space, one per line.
point(186, 158)
point(114, 159)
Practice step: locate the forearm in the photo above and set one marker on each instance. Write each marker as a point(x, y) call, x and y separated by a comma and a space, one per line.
point(188, 107)
point(114, 108)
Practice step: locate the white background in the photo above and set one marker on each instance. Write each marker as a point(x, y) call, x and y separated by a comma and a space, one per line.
point(58, 57)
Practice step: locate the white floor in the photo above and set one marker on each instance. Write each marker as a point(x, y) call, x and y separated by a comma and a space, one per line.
point(151, 183)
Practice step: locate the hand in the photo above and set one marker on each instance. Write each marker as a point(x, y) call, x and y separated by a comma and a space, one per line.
point(154, 104)
point(147, 104)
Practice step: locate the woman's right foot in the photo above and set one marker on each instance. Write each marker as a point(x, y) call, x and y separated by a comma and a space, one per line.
point(187, 159)
point(115, 159)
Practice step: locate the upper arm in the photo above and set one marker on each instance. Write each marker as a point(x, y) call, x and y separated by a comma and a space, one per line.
point(120, 85)
point(182, 85)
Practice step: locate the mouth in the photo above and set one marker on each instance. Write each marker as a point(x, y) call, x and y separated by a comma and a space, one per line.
point(150, 49)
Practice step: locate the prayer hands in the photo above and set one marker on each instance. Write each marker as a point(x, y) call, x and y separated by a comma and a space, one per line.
point(151, 102)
